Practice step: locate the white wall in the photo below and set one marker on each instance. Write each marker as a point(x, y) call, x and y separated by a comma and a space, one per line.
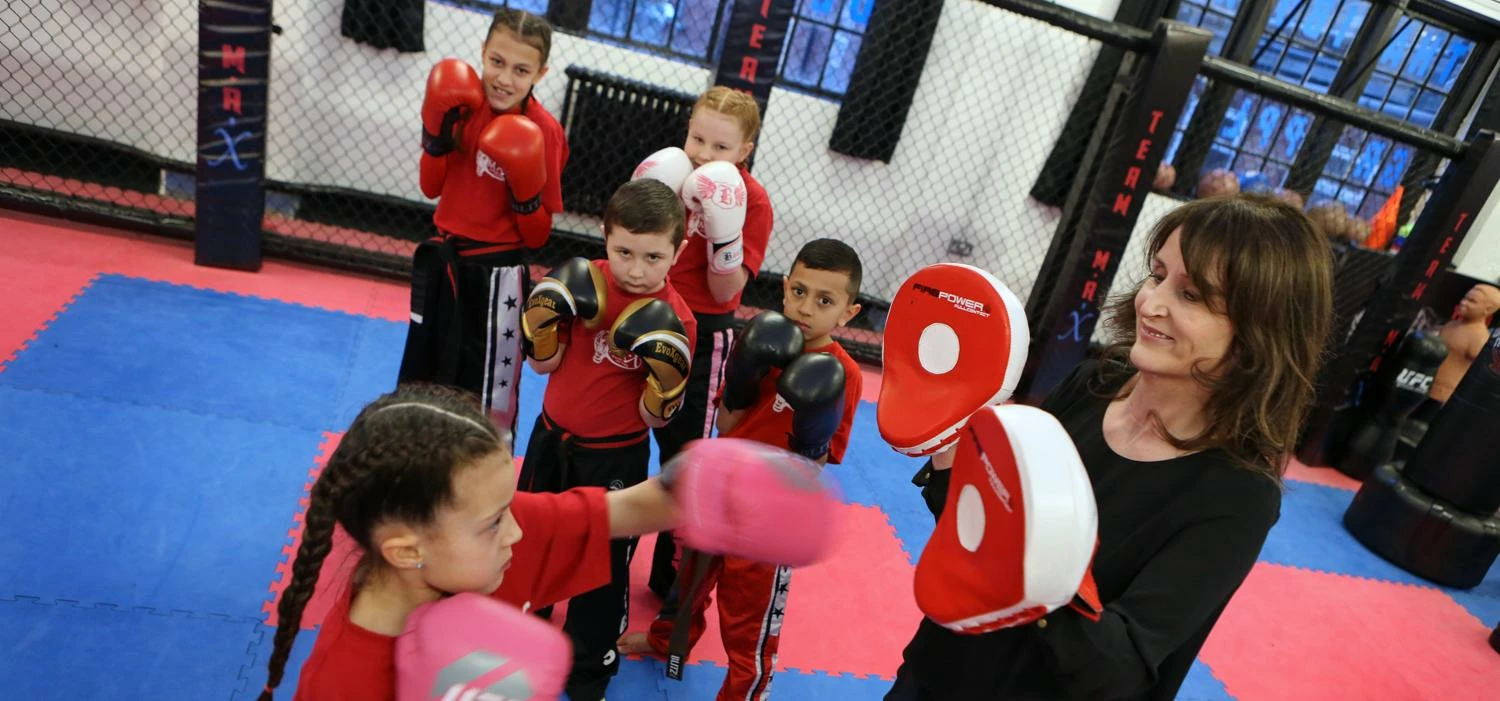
point(1483, 8)
point(994, 95)
point(1103, 9)
point(75, 65)
point(1479, 256)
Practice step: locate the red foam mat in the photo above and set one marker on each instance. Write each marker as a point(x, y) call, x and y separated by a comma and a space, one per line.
point(1298, 634)
point(31, 294)
point(1326, 476)
point(65, 250)
point(851, 614)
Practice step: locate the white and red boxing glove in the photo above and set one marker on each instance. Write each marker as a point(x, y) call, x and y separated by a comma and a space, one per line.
point(670, 165)
point(716, 200)
point(1019, 531)
point(750, 500)
point(955, 341)
point(470, 647)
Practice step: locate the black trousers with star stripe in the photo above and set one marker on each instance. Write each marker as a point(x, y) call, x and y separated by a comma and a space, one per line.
point(465, 328)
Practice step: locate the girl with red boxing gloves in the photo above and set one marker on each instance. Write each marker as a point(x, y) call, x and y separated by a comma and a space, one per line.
point(493, 157)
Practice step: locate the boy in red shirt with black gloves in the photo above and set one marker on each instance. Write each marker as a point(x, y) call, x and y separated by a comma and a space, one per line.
point(729, 227)
point(618, 343)
point(788, 384)
point(493, 157)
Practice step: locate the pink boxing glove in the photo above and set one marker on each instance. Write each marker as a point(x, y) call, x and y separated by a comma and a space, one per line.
point(474, 648)
point(751, 500)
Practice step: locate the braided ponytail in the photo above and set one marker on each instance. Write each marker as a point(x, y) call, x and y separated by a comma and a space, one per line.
point(317, 541)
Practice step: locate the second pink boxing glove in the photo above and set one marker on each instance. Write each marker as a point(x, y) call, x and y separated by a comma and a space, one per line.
point(469, 646)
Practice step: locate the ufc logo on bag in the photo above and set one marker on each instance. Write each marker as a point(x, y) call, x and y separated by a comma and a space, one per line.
point(1413, 380)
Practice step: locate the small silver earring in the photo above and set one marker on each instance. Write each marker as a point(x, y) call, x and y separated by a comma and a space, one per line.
point(419, 565)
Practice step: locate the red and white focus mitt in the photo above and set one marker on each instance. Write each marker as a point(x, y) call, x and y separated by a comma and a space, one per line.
point(750, 500)
point(955, 341)
point(1018, 534)
point(472, 647)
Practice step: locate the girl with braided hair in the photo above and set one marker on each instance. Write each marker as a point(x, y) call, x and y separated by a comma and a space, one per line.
point(424, 484)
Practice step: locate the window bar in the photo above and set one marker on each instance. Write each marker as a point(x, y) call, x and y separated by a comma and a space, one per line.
point(630, 26)
point(717, 34)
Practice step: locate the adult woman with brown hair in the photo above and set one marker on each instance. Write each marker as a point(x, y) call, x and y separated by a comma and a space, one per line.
point(1185, 425)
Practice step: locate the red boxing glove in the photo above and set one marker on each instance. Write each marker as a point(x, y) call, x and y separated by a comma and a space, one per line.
point(469, 646)
point(515, 144)
point(747, 499)
point(454, 94)
point(1018, 534)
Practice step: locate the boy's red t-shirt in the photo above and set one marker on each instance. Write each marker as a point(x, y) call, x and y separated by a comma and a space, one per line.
point(564, 552)
point(769, 420)
point(474, 203)
point(690, 274)
point(595, 392)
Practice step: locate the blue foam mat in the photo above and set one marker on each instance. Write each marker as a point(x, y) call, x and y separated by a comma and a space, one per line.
point(1202, 685)
point(208, 352)
point(64, 651)
point(142, 506)
point(373, 368)
point(1311, 535)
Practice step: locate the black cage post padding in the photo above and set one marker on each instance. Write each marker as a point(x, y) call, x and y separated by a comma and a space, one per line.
point(1439, 231)
point(1108, 213)
point(385, 24)
point(234, 62)
point(570, 15)
point(1063, 165)
point(1098, 150)
point(752, 47)
point(885, 78)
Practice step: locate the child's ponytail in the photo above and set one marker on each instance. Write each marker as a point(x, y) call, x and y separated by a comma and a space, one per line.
point(317, 541)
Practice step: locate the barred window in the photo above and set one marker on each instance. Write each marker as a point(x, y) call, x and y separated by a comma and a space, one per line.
point(1305, 43)
point(822, 42)
point(686, 29)
point(1412, 80)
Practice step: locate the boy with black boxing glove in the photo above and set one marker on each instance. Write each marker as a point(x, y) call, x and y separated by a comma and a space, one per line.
point(788, 384)
point(618, 343)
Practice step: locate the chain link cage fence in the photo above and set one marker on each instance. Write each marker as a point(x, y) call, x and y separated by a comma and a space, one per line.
point(916, 132)
point(922, 132)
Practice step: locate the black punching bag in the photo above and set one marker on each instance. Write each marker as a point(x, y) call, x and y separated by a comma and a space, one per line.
point(1374, 443)
point(1457, 461)
point(1422, 534)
